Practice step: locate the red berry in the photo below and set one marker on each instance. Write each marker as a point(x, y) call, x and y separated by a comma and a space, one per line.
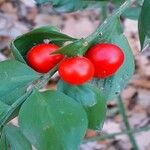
point(40, 59)
point(107, 59)
point(76, 70)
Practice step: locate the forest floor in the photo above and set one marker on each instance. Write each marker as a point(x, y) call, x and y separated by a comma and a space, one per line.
point(20, 16)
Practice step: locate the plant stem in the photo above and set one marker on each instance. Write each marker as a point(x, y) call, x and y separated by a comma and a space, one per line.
point(13, 107)
point(113, 135)
point(129, 131)
point(104, 13)
point(126, 122)
point(46, 78)
point(101, 29)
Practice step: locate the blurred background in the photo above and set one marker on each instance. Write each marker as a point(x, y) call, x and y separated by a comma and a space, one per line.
point(20, 16)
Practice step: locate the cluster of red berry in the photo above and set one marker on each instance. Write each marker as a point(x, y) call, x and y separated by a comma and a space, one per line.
point(101, 61)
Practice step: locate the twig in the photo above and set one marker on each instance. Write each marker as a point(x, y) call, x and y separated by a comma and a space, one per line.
point(113, 135)
point(126, 122)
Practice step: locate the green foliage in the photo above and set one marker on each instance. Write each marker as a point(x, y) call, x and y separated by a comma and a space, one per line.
point(13, 77)
point(22, 44)
point(73, 49)
point(112, 86)
point(90, 98)
point(57, 122)
point(3, 142)
point(144, 24)
point(13, 95)
point(3, 108)
point(74, 5)
point(110, 27)
point(118, 2)
point(132, 13)
point(16, 139)
point(111, 31)
point(67, 5)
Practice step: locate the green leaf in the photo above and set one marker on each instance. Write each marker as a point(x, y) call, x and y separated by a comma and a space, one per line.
point(14, 76)
point(110, 27)
point(22, 44)
point(76, 48)
point(113, 85)
point(42, 1)
point(118, 2)
point(3, 108)
point(4, 145)
point(144, 24)
point(91, 99)
point(111, 32)
point(139, 2)
point(13, 110)
point(132, 13)
point(70, 5)
point(16, 139)
point(57, 122)
point(79, 47)
point(66, 5)
point(13, 95)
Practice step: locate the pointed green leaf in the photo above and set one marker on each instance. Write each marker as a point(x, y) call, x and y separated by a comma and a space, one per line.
point(22, 44)
point(16, 139)
point(79, 47)
point(90, 98)
point(132, 13)
point(4, 145)
point(65, 5)
point(13, 77)
point(13, 95)
point(111, 33)
point(57, 122)
point(144, 24)
point(73, 49)
point(113, 85)
point(3, 108)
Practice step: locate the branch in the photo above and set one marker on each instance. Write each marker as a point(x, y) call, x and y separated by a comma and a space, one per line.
point(100, 30)
point(126, 122)
point(113, 135)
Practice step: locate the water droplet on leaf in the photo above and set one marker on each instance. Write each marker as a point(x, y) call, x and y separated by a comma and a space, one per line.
point(85, 43)
point(100, 33)
point(46, 41)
